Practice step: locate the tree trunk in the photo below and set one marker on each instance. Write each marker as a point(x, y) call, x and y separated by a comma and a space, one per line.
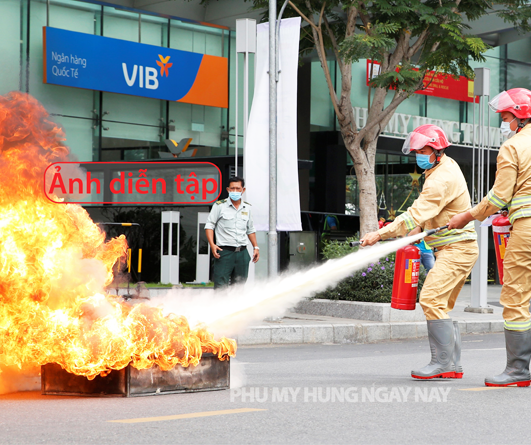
point(364, 168)
point(364, 160)
point(362, 148)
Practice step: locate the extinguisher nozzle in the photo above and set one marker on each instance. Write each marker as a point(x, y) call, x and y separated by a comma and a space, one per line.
point(438, 229)
point(354, 243)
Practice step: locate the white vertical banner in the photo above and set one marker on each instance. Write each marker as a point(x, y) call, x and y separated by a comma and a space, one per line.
point(256, 153)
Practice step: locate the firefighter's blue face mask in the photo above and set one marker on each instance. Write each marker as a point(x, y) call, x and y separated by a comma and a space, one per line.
point(423, 161)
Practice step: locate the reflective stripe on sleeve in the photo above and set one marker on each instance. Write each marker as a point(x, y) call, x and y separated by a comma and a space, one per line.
point(495, 200)
point(408, 220)
point(517, 325)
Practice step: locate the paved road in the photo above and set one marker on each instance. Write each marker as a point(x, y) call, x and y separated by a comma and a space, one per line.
point(328, 394)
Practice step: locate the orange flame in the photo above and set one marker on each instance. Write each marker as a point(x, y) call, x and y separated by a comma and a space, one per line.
point(54, 265)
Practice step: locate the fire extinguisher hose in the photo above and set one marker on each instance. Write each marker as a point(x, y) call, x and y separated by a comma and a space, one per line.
point(426, 233)
point(432, 231)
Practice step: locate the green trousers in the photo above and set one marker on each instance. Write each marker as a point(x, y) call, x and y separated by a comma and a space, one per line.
point(231, 265)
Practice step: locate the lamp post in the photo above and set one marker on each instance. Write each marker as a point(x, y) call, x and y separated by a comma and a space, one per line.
point(274, 37)
point(272, 262)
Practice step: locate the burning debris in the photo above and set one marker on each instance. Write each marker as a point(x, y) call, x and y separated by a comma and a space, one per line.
point(55, 264)
point(210, 374)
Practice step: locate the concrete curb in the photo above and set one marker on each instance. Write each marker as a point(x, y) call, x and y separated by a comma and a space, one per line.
point(351, 332)
point(358, 310)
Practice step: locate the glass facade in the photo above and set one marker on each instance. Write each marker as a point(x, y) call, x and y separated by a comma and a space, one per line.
point(103, 126)
point(395, 174)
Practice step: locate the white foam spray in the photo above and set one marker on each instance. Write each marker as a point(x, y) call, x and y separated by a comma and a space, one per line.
point(228, 312)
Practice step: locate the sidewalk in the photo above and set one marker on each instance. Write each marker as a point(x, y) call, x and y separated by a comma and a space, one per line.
point(315, 329)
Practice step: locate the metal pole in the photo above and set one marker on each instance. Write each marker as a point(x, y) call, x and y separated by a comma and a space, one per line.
point(482, 147)
point(480, 151)
point(236, 119)
point(473, 150)
point(488, 144)
point(245, 97)
point(277, 30)
point(272, 238)
point(478, 297)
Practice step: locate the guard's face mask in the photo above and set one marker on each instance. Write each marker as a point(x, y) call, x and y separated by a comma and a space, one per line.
point(423, 161)
point(505, 128)
point(235, 196)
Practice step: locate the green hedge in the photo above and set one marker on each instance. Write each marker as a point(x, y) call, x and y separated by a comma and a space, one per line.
point(372, 284)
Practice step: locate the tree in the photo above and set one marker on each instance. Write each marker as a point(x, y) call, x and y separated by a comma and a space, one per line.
point(407, 38)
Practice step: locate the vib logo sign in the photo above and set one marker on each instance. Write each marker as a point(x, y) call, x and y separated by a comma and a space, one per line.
point(137, 69)
point(146, 76)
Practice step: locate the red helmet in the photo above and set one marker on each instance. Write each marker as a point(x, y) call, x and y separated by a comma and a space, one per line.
point(430, 135)
point(516, 100)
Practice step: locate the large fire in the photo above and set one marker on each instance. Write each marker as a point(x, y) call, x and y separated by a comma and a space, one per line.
point(55, 264)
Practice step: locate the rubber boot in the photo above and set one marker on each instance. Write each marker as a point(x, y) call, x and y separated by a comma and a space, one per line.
point(441, 335)
point(457, 352)
point(518, 346)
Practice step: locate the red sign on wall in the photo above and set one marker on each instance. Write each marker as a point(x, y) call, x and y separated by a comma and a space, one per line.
point(437, 85)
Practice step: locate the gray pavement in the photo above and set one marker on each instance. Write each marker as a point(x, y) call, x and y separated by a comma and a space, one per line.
point(296, 328)
point(297, 394)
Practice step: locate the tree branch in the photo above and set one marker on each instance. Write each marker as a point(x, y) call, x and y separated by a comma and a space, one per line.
point(319, 46)
point(402, 45)
point(321, 15)
point(363, 16)
point(420, 41)
point(351, 21)
point(397, 100)
point(310, 22)
point(334, 43)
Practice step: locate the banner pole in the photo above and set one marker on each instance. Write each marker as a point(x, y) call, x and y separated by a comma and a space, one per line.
point(272, 235)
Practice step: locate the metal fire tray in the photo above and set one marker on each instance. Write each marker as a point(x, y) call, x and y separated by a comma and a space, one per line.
point(210, 374)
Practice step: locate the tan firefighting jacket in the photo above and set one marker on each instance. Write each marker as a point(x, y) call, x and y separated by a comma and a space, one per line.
point(512, 187)
point(444, 195)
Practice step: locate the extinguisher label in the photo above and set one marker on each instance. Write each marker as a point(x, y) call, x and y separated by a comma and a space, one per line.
point(412, 272)
point(502, 239)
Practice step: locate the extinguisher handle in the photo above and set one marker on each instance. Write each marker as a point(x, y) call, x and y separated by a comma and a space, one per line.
point(438, 229)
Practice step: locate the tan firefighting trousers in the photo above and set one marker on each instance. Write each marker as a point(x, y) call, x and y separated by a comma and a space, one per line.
point(516, 290)
point(453, 264)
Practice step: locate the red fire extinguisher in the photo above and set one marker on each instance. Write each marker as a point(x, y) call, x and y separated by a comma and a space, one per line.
point(501, 229)
point(406, 278)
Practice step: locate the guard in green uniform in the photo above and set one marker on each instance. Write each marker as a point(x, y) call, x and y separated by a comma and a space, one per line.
point(231, 220)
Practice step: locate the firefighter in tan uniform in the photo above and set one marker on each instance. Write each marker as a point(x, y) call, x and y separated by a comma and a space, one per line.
point(445, 194)
point(512, 188)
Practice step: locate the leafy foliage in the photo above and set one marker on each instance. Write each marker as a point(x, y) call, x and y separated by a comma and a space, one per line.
point(336, 249)
point(371, 43)
point(410, 40)
point(413, 35)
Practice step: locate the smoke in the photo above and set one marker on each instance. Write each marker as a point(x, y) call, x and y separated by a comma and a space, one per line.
point(238, 377)
point(228, 312)
point(13, 379)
